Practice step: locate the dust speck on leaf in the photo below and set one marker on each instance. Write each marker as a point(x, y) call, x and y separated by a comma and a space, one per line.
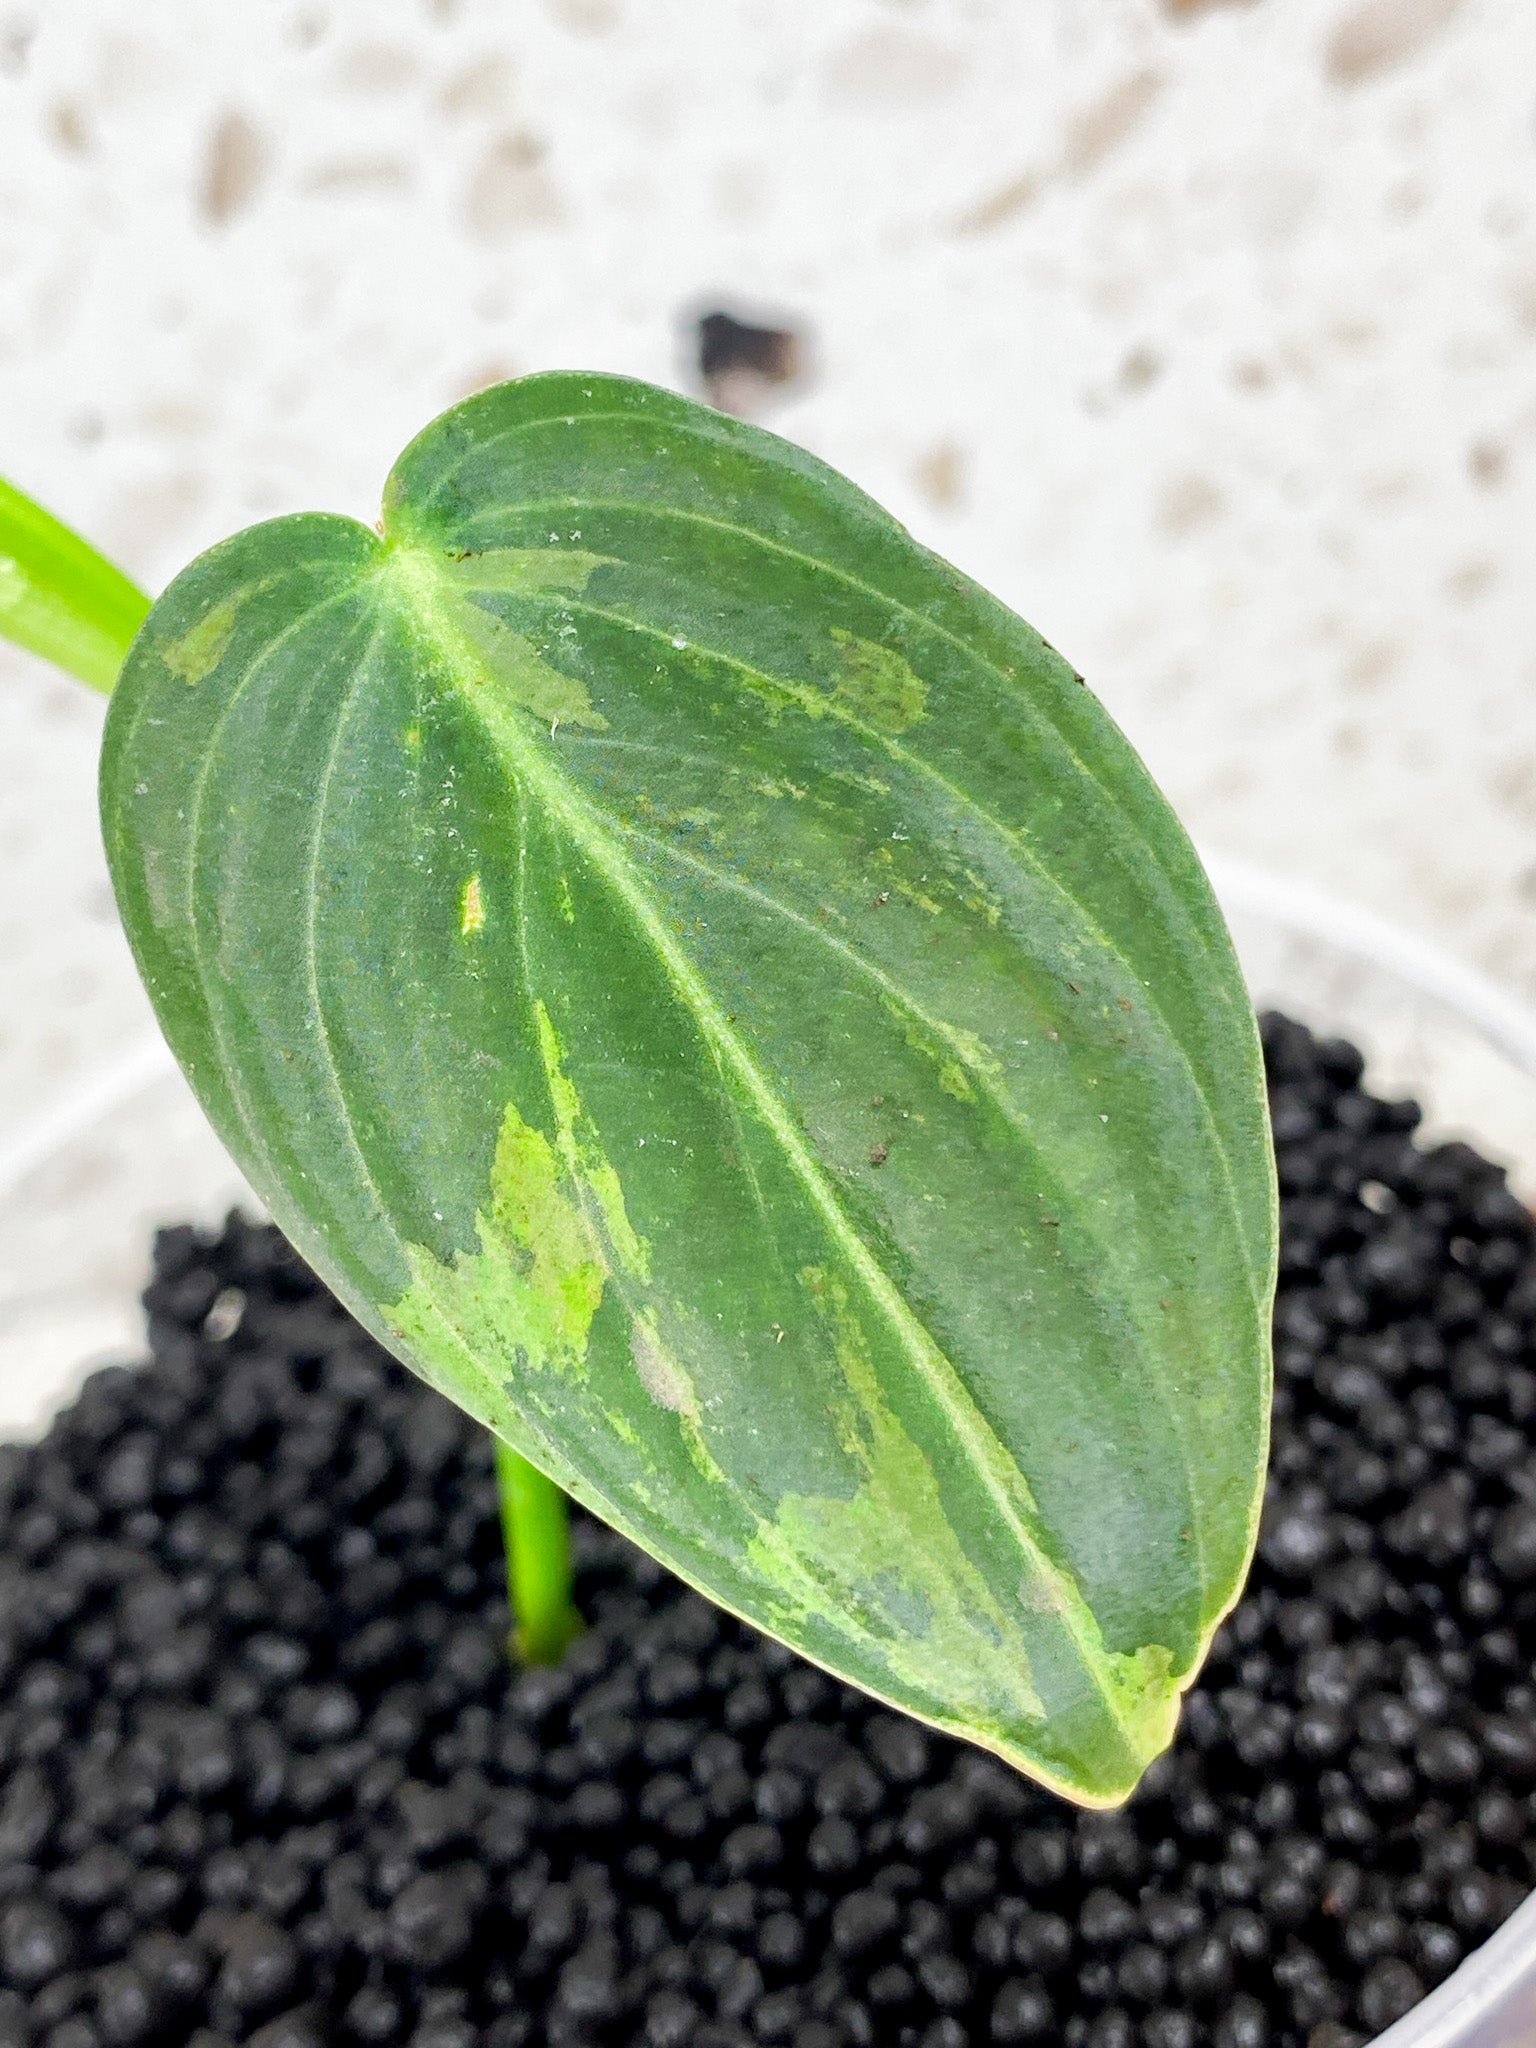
point(234, 169)
point(1379, 35)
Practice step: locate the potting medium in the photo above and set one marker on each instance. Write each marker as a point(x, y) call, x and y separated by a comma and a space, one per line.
point(267, 1776)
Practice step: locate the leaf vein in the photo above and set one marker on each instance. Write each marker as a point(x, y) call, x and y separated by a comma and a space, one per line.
point(1013, 837)
point(929, 1363)
point(964, 1053)
point(211, 982)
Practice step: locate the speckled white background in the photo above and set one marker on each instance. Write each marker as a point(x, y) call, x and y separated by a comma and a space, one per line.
point(1206, 335)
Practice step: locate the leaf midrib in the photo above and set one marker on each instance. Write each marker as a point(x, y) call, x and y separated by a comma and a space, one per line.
point(1006, 679)
point(426, 601)
point(659, 509)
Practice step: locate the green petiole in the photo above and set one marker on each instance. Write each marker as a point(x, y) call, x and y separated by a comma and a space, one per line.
point(535, 1525)
point(62, 600)
point(59, 598)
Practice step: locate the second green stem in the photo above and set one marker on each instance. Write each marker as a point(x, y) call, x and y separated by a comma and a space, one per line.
point(535, 1524)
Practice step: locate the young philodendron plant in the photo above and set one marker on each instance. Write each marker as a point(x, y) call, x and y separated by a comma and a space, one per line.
point(713, 992)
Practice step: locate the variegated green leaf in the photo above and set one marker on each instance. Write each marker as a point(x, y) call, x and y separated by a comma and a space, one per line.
point(717, 995)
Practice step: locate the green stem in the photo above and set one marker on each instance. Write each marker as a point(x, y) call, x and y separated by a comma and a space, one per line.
point(536, 1527)
point(59, 598)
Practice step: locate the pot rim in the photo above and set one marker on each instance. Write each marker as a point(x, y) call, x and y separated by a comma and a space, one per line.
point(1494, 1011)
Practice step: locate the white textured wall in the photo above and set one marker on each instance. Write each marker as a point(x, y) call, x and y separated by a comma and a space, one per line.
point(1206, 335)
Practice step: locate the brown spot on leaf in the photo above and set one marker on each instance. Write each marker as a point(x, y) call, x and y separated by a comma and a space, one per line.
point(878, 1154)
point(1378, 35)
point(234, 169)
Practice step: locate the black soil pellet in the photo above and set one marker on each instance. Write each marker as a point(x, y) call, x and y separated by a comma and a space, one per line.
point(266, 1775)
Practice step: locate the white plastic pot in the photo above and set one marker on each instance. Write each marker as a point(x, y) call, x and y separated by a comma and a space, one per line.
point(84, 1183)
point(1444, 1034)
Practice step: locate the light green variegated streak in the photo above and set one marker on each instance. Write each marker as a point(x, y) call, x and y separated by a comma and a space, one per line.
point(717, 996)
